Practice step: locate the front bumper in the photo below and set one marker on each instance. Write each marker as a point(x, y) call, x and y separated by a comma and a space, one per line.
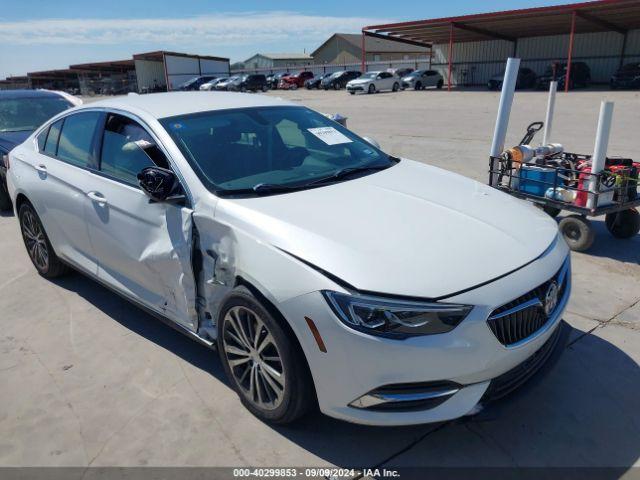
point(355, 88)
point(469, 356)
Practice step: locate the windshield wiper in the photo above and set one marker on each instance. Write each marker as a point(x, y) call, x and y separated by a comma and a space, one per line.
point(345, 172)
point(267, 188)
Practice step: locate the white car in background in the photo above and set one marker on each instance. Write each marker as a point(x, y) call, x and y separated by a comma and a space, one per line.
point(421, 79)
point(212, 84)
point(324, 270)
point(372, 82)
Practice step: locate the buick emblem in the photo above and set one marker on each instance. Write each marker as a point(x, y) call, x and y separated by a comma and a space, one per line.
point(551, 298)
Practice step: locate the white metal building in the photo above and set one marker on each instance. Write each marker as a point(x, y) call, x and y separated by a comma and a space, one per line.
point(168, 70)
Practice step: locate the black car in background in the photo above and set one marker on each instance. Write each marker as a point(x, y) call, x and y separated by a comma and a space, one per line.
point(338, 80)
point(273, 80)
point(527, 78)
point(194, 83)
point(315, 82)
point(252, 82)
point(627, 76)
point(21, 112)
point(580, 75)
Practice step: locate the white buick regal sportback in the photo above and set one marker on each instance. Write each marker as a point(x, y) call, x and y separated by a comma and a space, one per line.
point(325, 271)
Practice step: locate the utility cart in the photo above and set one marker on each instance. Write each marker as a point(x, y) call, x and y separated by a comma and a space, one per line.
point(555, 180)
point(560, 184)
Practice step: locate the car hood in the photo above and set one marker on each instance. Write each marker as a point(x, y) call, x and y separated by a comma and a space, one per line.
point(357, 81)
point(9, 140)
point(411, 230)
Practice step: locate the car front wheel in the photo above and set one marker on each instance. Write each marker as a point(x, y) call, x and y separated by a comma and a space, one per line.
point(372, 88)
point(37, 244)
point(262, 360)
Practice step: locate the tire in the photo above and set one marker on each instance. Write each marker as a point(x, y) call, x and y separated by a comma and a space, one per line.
point(418, 86)
point(396, 87)
point(553, 212)
point(279, 397)
point(352, 92)
point(336, 86)
point(623, 224)
point(37, 243)
point(440, 84)
point(264, 88)
point(243, 89)
point(294, 86)
point(372, 89)
point(5, 199)
point(577, 232)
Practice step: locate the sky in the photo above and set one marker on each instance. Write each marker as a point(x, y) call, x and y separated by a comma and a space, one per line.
point(49, 34)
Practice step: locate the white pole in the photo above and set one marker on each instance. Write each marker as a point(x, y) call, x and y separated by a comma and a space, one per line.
point(553, 88)
point(506, 99)
point(600, 148)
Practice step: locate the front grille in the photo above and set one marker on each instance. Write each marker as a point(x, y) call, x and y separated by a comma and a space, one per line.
point(514, 378)
point(519, 319)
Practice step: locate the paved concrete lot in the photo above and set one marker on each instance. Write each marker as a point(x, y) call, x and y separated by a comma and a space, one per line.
point(87, 379)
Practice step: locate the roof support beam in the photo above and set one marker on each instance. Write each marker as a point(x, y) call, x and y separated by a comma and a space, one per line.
point(598, 21)
point(393, 38)
point(482, 31)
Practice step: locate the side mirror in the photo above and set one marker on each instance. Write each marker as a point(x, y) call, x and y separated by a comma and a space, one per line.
point(371, 141)
point(160, 184)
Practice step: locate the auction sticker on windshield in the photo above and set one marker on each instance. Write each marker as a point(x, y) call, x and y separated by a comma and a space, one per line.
point(329, 135)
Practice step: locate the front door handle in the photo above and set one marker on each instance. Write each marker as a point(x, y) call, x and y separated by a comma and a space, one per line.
point(41, 168)
point(97, 197)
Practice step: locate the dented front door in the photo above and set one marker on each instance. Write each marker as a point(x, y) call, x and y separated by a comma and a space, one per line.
point(143, 249)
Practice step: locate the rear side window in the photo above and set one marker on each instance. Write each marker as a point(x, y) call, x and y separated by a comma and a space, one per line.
point(51, 144)
point(127, 148)
point(76, 138)
point(42, 139)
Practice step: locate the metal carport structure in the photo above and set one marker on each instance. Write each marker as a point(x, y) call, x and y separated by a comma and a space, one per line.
point(618, 16)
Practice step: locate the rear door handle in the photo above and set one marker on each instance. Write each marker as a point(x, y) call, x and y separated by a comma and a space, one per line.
point(41, 168)
point(97, 197)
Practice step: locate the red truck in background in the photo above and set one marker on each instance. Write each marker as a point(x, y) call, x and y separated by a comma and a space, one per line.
point(295, 81)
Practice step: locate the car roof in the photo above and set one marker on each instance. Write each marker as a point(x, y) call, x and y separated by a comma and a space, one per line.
point(162, 105)
point(26, 93)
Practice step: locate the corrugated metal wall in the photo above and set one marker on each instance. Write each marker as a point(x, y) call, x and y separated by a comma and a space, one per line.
point(149, 73)
point(476, 62)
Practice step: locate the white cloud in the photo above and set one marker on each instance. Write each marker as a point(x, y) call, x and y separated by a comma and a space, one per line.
point(227, 29)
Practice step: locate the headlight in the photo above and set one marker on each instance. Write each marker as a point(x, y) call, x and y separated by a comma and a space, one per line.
point(395, 318)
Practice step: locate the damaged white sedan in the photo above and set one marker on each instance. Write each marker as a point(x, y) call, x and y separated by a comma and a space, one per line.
point(325, 271)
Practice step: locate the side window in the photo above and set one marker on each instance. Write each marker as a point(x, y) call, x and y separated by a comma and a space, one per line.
point(42, 139)
point(127, 148)
point(76, 138)
point(51, 144)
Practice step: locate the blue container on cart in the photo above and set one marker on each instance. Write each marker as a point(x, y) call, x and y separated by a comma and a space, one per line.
point(536, 180)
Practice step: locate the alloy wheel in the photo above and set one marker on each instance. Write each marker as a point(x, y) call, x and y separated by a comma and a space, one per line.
point(253, 357)
point(35, 240)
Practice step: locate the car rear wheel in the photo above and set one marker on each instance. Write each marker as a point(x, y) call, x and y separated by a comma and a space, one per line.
point(294, 86)
point(263, 362)
point(440, 84)
point(418, 86)
point(336, 86)
point(5, 200)
point(264, 88)
point(37, 244)
point(396, 87)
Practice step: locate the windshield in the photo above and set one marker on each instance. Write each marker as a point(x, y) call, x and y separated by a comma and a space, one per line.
point(630, 67)
point(336, 74)
point(415, 73)
point(370, 75)
point(233, 79)
point(20, 114)
point(282, 146)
